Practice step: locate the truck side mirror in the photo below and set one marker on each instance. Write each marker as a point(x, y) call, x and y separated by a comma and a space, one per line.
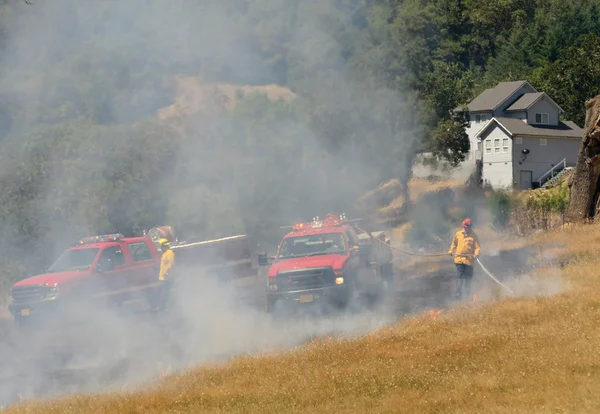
point(263, 259)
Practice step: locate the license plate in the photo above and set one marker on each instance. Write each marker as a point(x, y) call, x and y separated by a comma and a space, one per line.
point(306, 298)
point(25, 312)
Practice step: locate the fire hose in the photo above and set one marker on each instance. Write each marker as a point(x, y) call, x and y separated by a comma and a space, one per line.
point(487, 272)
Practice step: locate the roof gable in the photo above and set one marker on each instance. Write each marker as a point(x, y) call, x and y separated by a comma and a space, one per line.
point(514, 126)
point(490, 124)
point(491, 99)
point(529, 99)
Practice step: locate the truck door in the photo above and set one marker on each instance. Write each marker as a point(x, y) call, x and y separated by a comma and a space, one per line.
point(144, 269)
point(111, 270)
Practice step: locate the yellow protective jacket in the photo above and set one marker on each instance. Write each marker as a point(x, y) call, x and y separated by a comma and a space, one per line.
point(166, 263)
point(467, 244)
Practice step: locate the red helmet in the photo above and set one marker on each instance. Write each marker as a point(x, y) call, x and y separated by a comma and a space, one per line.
point(467, 222)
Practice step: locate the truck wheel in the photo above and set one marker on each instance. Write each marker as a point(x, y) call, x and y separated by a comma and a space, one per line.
point(341, 300)
point(354, 294)
point(387, 275)
point(270, 304)
point(21, 322)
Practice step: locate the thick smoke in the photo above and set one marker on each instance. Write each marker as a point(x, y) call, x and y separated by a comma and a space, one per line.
point(89, 78)
point(97, 73)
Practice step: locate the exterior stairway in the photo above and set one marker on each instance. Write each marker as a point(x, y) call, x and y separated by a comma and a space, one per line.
point(557, 178)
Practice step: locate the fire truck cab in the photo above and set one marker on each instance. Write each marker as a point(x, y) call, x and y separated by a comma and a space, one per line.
point(322, 260)
point(111, 269)
point(107, 267)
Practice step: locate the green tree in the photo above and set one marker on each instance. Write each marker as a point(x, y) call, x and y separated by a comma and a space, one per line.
point(573, 78)
point(450, 141)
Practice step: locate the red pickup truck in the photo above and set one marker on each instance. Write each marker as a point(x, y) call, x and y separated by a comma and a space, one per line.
point(109, 267)
point(328, 261)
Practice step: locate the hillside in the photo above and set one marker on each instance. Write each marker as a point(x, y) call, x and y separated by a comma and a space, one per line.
point(227, 117)
point(525, 354)
point(194, 98)
point(93, 99)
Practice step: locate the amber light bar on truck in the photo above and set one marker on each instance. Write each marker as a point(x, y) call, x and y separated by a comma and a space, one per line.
point(101, 238)
point(330, 220)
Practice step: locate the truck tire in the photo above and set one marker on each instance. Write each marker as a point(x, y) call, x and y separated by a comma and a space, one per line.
point(270, 303)
point(22, 323)
point(387, 275)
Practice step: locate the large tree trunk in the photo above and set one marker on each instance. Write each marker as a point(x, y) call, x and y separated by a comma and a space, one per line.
point(584, 181)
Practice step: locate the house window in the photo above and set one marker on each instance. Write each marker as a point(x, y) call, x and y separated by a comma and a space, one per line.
point(477, 119)
point(543, 142)
point(497, 146)
point(519, 141)
point(505, 145)
point(542, 119)
point(488, 146)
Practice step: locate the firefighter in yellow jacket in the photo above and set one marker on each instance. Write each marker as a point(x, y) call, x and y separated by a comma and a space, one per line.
point(167, 262)
point(465, 249)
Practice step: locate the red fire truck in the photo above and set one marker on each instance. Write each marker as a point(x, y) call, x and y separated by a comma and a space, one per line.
point(109, 266)
point(328, 260)
point(110, 269)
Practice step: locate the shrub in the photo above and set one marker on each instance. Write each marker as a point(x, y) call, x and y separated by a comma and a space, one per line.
point(500, 204)
point(541, 209)
point(430, 222)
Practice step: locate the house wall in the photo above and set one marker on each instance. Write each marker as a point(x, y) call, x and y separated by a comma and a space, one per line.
point(541, 158)
point(497, 172)
point(472, 130)
point(475, 127)
point(518, 115)
point(543, 106)
point(497, 166)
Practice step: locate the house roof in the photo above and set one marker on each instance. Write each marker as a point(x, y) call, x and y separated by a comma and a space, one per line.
point(491, 98)
point(514, 126)
point(528, 100)
point(525, 101)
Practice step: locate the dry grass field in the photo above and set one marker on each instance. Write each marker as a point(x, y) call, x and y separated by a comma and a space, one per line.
point(517, 355)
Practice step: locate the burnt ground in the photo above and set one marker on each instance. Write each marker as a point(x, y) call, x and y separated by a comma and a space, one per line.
point(134, 346)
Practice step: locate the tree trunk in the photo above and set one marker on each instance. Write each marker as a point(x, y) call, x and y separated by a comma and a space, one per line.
point(584, 181)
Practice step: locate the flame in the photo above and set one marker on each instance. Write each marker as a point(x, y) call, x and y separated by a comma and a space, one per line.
point(434, 313)
point(164, 373)
point(21, 399)
point(475, 298)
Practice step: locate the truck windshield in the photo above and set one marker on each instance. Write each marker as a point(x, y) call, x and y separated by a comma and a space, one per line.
point(78, 259)
point(312, 245)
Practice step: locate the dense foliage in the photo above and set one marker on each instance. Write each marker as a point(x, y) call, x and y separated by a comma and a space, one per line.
point(374, 81)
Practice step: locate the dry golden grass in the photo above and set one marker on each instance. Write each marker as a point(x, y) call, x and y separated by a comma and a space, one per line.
point(417, 188)
point(517, 355)
point(194, 97)
point(387, 199)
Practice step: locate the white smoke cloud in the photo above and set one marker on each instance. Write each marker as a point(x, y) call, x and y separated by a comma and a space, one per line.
point(63, 56)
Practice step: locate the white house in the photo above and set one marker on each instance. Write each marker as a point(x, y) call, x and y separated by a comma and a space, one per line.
point(516, 134)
